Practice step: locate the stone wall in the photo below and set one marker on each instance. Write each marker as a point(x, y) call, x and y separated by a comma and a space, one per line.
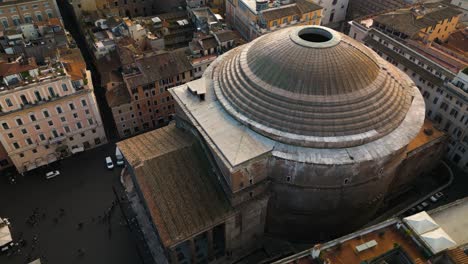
point(313, 202)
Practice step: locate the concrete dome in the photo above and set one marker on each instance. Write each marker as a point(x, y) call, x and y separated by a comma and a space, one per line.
point(312, 86)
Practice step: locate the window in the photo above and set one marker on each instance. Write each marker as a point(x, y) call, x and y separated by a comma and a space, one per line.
point(16, 20)
point(72, 106)
point(454, 113)
point(90, 121)
point(67, 129)
point(33, 117)
point(37, 127)
point(8, 102)
point(19, 121)
point(83, 102)
point(16, 145)
point(34, 151)
point(38, 96)
point(435, 100)
point(59, 110)
point(63, 119)
point(87, 111)
point(5, 126)
point(23, 99)
point(10, 135)
point(42, 137)
point(275, 23)
point(30, 142)
point(75, 115)
point(21, 155)
point(51, 91)
point(46, 113)
point(4, 22)
point(24, 131)
point(332, 15)
point(39, 16)
point(285, 20)
point(334, 2)
point(444, 106)
point(79, 126)
point(50, 123)
point(49, 14)
point(27, 18)
point(64, 87)
point(82, 134)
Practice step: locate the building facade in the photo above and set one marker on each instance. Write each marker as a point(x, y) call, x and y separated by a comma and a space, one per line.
point(149, 104)
point(14, 13)
point(48, 111)
point(438, 73)
point(283, 169)
point(124, 8)
point(254, 18)
point(334, 11)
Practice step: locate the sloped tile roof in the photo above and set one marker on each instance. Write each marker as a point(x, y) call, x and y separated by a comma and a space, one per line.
point(174, 177)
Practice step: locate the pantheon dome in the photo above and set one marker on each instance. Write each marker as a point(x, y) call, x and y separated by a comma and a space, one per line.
point(307, 130)
point(312, 87)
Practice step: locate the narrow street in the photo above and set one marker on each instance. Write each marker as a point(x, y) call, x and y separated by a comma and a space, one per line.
point(72, 27)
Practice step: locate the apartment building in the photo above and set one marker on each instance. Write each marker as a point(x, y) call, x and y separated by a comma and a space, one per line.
point(47, 106)
point(146, 103)
point(17, 12)
point(439, 72)
point(124, 8)
point(334, 11)
point(253, 18)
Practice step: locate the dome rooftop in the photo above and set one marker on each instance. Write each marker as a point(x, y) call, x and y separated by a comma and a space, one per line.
point(312, 86)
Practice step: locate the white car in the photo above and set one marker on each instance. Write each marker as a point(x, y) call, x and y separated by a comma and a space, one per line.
point(425, 204)
point(433, 199)
point(109, 163)
point(52, 174)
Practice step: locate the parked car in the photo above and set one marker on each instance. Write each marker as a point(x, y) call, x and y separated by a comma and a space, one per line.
point(412, 210)
point(425, 204)
point(109, 163)
point(419, 207)
point(52, 174)
point(439, 195)
point(119, 157)
point(433, 199)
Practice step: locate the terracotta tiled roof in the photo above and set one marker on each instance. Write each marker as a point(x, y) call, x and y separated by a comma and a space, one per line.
point(16, 67)
point(280, 12)
point(74, 63)
point(299, 8)
point(160, 66)
point(173, 175)
point(117, 95)
point(226, 35)
point(209, 43)
point(405, 21)
point(306, 6)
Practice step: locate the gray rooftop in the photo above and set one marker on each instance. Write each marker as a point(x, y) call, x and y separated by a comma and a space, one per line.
point(453, 219)
point(332, 93)
point(236, 143)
